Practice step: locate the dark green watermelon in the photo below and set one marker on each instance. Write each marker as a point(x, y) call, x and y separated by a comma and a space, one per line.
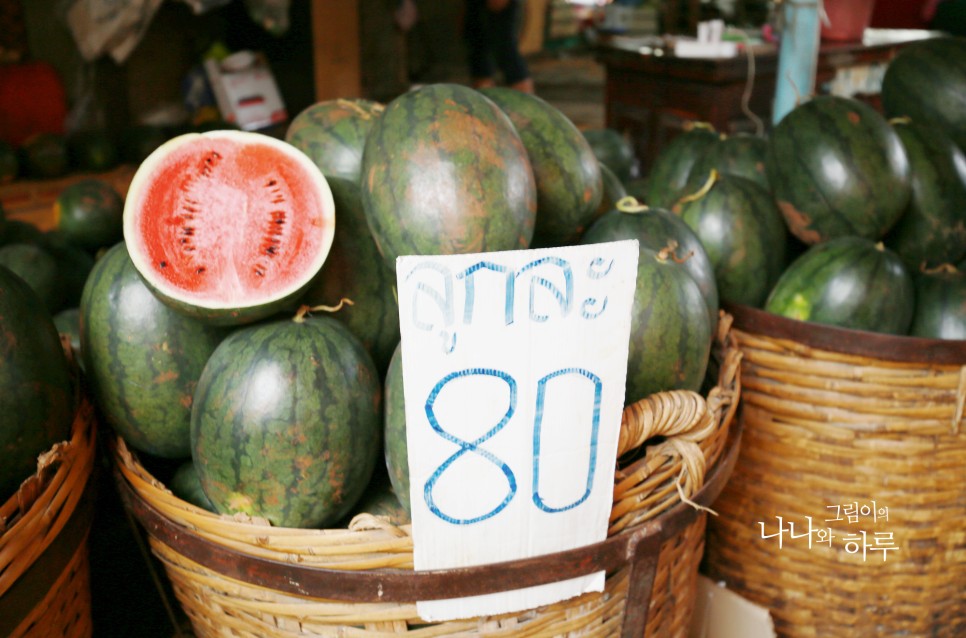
point(742, 154)
point(654, 228)
point(394, 430)
point(444, 172)
point(613, 150)
point(614, 191)
point(355, 270)
point(567, 173)
point(926, 81)
point(94, 150)
point(38, 268)
point(743, 234)
point(286, 422)
point(940, 303)
point(89, 214)
point(142, 358)
point(850, 282)
point(837, 167)
point(333, 133)
point(36, 397)
point(74, 265)
point(186, 485)
point(140, 140)
point(17, 231)
point(932, 230)
point(44, 156)
point(670, 341)
point(671, 170)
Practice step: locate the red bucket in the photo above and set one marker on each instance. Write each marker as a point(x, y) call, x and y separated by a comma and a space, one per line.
point(847, 19)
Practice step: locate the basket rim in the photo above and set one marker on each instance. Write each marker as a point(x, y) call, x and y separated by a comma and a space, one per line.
point(633, 545)
point(863, 343)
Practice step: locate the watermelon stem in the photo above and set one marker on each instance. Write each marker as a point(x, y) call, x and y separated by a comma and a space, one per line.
point(940, 269)
point(629, 204)
point(668, 253)
point(701, 192)
point(693, 124)
point(306, 309)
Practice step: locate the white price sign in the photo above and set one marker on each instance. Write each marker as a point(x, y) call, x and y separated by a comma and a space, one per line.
point(514, 369)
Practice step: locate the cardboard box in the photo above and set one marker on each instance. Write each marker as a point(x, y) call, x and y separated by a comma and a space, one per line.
point(721, 613)
point(245, 90)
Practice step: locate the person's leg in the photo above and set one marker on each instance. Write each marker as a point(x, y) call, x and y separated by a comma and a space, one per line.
point(475, 37)
point(503, 26)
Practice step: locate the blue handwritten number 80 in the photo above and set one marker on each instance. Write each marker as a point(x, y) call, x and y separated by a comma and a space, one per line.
point(466, 447)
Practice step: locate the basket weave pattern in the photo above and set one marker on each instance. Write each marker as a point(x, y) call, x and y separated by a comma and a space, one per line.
point(693, 430)
point(35, 520)
point(822, 430)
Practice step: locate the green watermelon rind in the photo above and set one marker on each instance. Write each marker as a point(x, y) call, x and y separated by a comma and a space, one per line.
point(285, 423)
point(567, 173)
point(445, 172)
point(848, 282)
point(142, 358)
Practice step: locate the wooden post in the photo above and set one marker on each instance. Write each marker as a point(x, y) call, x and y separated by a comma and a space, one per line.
point(335, 49)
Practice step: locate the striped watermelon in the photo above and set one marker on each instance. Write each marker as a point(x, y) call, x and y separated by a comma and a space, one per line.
point(444, 172)
point(850, 282)
point(566, 172)
point(838, 168)
point(286, 422)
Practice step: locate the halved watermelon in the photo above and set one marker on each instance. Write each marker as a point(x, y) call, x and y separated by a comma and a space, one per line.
point(228, 226)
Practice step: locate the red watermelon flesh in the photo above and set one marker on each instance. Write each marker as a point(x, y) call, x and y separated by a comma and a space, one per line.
point(226, 225)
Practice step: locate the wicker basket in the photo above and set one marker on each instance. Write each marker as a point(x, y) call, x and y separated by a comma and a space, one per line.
point(44, 568)
point(834, 420)
point(237, 578)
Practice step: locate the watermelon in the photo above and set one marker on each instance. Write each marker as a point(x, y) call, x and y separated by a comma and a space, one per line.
point(74, 265)
point(93, 150)
point(926, 81)
point(669, 174)
point(36, 397)
point(567, 174)
point(444, 172)
point(17, 231)
point(654, 228)
point(286, 422)
point(38, 268)
point(743, 234)
point(380, 500)
point(837, 167)
point(355, 270)
point(89, 214)
point(670, 341)
point(45, 156)
point(228, 226)
point(614, 191)
point(613, 150)
point(940, 303)
point(932, 230)
point(394, 430)
point(333, 134)
point(186, 485)
point(142, 358)
point(850, 282)
point(742, 154)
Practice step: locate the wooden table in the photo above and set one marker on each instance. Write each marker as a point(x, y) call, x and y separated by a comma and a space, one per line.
point(650, 93)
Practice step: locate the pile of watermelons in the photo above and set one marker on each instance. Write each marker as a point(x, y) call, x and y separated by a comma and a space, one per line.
point(247, 346)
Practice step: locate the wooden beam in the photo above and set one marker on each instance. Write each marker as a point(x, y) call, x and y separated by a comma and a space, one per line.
point(335, 49)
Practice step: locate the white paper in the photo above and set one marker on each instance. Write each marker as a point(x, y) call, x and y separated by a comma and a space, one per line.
point(514, 367)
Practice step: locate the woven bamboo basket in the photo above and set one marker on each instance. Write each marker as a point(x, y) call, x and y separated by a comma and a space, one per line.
point(44, 568)
point(860, 427)
point(238, 578)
